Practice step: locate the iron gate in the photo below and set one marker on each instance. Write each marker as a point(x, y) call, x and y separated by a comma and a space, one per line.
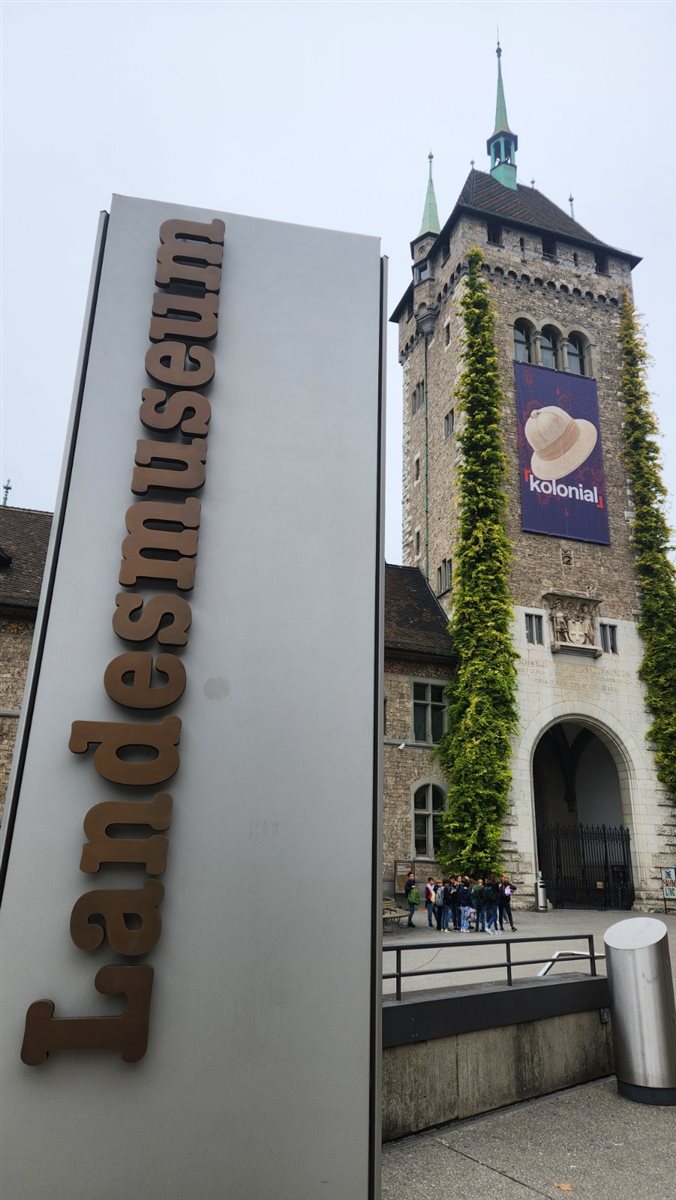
point(588, 866)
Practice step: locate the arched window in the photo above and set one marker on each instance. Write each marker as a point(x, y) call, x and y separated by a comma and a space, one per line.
point(549, 347)
point(522, 342)
point(429, 803)
point(577, 358)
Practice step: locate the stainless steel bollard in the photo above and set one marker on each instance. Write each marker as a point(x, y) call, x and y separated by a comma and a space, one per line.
point(643, 1015)
point(541, 893)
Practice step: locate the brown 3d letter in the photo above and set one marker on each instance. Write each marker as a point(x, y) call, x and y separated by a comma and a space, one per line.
point(158, 412)
point(111, 736)
point(140, 519)
point(149, 622)
point(180, 260)
point(151, 851)
point(128, 679)
point(126, 1033)
point(112, 907)
point(200, 320)
point(166, 362)
point(187, 477)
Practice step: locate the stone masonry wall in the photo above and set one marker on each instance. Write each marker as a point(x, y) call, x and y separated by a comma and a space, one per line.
point(405, 769)
point(16, 635)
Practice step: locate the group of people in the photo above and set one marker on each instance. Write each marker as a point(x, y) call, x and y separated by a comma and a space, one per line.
point(462, 904)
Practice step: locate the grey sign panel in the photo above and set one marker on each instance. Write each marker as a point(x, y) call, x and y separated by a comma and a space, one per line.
point(261, 1058)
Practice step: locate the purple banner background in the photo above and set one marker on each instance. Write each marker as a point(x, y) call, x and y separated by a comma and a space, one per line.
point(573, 504)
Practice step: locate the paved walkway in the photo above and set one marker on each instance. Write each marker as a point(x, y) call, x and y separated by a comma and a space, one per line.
point(588, 1143)
point(455, 949)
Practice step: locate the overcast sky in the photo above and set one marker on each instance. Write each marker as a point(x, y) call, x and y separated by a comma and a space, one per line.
point(321, 114)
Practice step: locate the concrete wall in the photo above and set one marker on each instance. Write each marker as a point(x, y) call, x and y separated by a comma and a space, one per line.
point(447, 1079)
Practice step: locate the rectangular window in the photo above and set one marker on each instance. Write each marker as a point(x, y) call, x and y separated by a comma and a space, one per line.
point(417, 397)
point(548, 247)
point(417, 543)
point(449, 423)
point(601, 263)
point(421, 272)
point(447, 334)
point(416, 469)
point(429, 712)
point(444, 577)
point(608, 638)
point(534, 629)
point(494, 231)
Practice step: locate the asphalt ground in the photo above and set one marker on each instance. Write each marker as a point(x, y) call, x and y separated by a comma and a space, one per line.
point(434, 950)
point(588, 1143)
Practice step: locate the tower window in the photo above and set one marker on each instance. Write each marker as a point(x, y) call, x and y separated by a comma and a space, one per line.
point(522, 342)
point(444, 577)
point(449, 423)
point(576, 354)
point(534, 629)
point(416, 468)
point(494, 229)
point(417, 543)
point(417, 397)
point(575, 259)
point(549, 347)
point(548, 247)
point(447, 334)
point(608, 638)
point(522, 245)
point(421, 272)
point(601, 263)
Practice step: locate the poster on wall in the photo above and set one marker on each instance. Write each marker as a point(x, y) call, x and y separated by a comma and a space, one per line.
point(560, 456)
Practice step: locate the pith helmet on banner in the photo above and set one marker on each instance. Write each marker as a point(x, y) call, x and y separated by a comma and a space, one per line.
point(560, 442)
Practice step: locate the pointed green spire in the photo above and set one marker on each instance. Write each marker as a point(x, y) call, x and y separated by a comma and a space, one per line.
point(502, 144)
point(501, 122)
point(430, 221)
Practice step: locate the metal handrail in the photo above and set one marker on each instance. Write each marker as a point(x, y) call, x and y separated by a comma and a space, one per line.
point(508, 964)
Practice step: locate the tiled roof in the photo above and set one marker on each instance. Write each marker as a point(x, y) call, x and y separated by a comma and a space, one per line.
point(524, 206)
point(24, 537)
point(414, 620)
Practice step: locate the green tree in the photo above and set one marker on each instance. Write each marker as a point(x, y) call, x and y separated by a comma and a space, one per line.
point(482, 709)
point(651, 541)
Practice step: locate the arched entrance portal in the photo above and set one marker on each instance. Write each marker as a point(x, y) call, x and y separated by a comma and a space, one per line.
point(583, 840)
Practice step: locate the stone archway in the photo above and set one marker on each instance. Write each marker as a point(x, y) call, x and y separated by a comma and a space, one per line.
point(583, 834)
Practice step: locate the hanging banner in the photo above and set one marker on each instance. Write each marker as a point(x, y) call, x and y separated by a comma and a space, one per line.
point(560, 457)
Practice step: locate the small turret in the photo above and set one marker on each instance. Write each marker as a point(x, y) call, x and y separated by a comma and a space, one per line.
point(502, 144)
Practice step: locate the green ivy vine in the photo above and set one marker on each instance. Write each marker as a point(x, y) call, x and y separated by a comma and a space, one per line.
point(651, 542)
point(482, 708)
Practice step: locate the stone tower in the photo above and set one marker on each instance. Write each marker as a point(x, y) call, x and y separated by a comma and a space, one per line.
point(583, 775)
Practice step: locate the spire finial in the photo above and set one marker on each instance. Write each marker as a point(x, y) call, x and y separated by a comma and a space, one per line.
point(430, 221)
point(6, 490)
point(570, 201)
point(503, 143)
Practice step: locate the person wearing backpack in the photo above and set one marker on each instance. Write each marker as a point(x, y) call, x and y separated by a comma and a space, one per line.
point(491, 895)
point(429, 901)
point(439, 903)
point(412, 897)
point(505, 902)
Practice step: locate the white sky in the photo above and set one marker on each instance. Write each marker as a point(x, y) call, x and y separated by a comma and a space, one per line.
point(321, 114)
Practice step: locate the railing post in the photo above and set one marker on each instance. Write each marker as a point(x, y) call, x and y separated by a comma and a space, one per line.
point(592, 955)
point(508, 964)
point(398, 970)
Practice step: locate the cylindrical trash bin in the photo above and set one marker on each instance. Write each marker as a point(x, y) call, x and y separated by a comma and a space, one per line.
point(541, 893)
point(642, 1007)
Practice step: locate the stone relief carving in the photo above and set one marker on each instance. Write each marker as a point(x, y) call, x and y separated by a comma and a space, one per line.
point(572, 620)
